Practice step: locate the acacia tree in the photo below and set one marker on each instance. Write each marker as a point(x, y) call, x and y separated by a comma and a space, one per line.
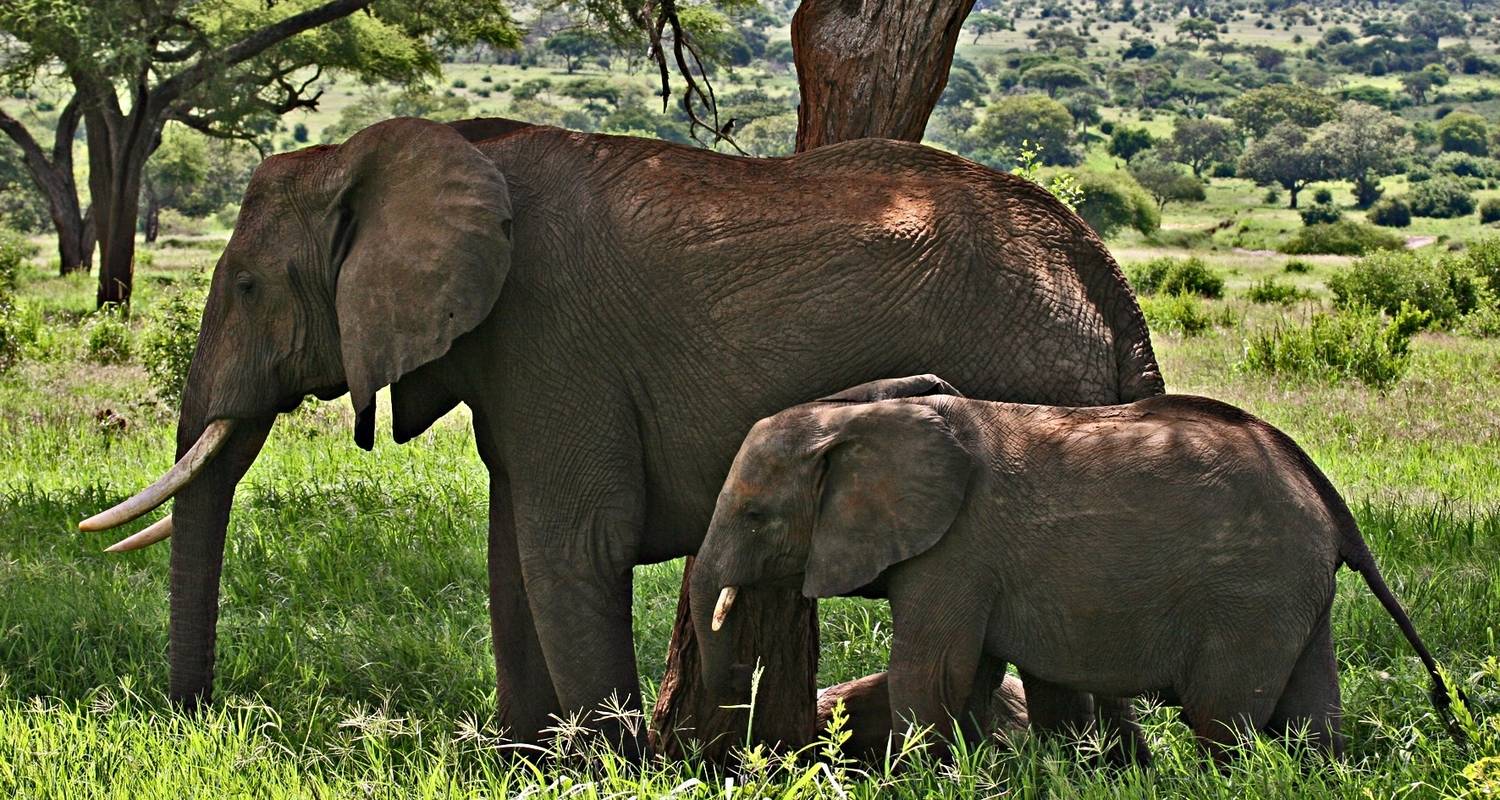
point(1198, 143)
point(1364, 145)
point(219, 66)
point(1288, 156)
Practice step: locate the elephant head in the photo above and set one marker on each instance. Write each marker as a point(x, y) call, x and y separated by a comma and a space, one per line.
point(349, 268)
point(826, 496)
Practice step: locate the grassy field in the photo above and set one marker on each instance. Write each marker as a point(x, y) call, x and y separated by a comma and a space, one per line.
point(354, 656)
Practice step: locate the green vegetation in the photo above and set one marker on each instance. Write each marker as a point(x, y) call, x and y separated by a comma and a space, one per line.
point(1344, 237)
point(1350, 344)
point(1445, 289)
point(1178, 313)
point(1270, 290)
point(1172, 276)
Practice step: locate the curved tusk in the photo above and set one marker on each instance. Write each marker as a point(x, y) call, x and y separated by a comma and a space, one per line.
point(151, 534)
point(180, 475)
point(721, 609)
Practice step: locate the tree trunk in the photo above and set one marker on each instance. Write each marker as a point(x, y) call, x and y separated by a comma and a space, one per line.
point(53, 176)
point(866, 68)
point(153, 217)
point(118, 148)
point(871, 67)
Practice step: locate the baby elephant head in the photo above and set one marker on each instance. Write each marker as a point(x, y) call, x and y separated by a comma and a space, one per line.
point(827, 495)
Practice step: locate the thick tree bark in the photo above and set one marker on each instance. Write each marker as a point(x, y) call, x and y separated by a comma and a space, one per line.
point(119, 145)
point(871, 67)
point(867, 68)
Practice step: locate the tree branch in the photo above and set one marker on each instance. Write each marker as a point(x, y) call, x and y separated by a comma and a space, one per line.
point(249, 47)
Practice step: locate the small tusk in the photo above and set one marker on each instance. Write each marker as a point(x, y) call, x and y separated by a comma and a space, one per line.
point(151, 534)
point(721, 609)
point(180, 475)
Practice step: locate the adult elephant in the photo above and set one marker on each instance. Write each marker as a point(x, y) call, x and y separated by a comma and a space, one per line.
point(616, 312)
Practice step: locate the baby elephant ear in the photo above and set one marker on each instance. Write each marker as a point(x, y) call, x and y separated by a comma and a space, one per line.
point(895, 480)
point(420, 236)
point(890, 388)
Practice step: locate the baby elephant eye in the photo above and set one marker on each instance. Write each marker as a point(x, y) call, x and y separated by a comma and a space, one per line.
point(244, 282)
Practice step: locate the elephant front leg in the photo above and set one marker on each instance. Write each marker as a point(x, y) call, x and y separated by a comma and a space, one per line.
point(523, 689)
point(577, 570)
point(936, 661)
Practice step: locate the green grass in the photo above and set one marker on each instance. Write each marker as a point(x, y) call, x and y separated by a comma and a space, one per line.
point(354, 656)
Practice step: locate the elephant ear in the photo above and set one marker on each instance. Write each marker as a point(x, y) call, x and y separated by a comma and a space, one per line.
point(895, 478)
point(890, 388)
point(421, 245)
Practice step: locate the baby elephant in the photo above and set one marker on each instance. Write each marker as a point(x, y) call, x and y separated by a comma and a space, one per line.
point(1176, 546)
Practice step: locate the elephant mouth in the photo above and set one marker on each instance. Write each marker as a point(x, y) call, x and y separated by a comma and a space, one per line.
point(192, 463)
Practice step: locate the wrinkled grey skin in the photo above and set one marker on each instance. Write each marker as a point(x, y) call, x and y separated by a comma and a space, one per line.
point(1175, 546)
point(616, 312)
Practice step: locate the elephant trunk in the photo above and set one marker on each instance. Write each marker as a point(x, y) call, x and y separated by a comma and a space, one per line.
point(200, 516)
point(726, 680)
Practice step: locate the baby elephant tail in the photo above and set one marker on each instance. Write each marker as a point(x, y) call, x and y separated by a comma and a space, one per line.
point(1355, 554)
point(1364, 564)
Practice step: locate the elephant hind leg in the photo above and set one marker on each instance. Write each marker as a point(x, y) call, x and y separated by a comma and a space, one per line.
point(1311, 698)
point(1057, 710)
point(1228, 705)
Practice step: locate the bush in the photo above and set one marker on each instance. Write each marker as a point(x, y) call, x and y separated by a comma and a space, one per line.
point(1297, 266)
point(1270, 290)
point(14, 250)
point(1443, 198)
point(109, 337)
point(1443, 288)
point(1169, 276)
point(170, 341)
point(1489, 210)
point(1343, 238)
point(1323, 196)
point(1482, 258)
point(1464, 165)
point(1175, 313)
point(1357, 344)
point(1113, 201)
point(1392, 212)
point(1321, 214)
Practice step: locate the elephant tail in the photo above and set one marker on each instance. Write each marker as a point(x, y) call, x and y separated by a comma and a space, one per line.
point(1355, 553)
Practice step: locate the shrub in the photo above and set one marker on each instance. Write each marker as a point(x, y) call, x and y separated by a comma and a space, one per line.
point(14, 250)
point(1270, 290)
point(1356, 343)
point(1321, 214)
point(1464, 165)
point(109, 337)
point(1272, 196)
point(1113, 201)
point(1323, 196)
point(1297, 266)
point(1175, 313)
point(1168, 275)
point(1392, 212)
point(1484, 323)
point(1483, 259)
point(1442, 198)
point(1489, 210)
point(1343, 238)
point(1443, 288)
point(170, 341)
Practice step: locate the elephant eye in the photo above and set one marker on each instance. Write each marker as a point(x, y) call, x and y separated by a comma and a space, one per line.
point(244, 282)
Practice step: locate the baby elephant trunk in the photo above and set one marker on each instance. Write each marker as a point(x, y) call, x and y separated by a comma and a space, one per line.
point(711, 602)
